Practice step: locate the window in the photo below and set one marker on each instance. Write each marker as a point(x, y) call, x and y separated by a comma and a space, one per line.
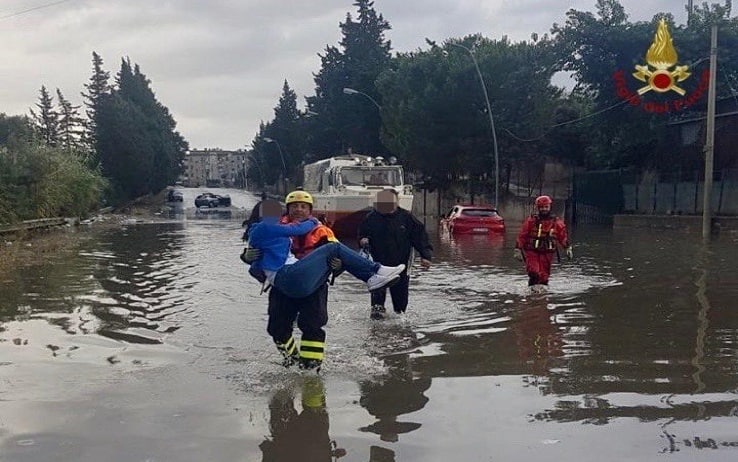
point(479, 212)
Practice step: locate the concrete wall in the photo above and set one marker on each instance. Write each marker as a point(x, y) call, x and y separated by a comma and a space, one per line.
point(684, 223)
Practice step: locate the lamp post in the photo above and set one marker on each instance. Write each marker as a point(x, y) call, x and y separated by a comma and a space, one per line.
point(281, 156)
point(491, 119)
point(351, 91)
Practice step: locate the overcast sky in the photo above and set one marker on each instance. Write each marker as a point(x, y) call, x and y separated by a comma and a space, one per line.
point(219, 65)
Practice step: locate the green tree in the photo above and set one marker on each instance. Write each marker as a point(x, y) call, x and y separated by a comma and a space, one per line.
point(47, 118)
point(38, 180)
point(435, 116)
point(97, 87)
point(138, 145)
point(594, 47)
point(350, 121)
point(71, 125)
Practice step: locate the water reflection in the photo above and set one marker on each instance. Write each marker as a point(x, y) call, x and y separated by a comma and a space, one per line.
point(400, 392)
point(538, 337)
point(300, 435)
point(124, 285)
point(474, 249)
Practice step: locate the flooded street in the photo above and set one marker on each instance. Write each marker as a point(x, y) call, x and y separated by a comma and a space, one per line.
point(148, 343)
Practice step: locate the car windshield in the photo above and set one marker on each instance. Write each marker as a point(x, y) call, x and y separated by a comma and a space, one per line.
point(479, 212)
point(368, 176)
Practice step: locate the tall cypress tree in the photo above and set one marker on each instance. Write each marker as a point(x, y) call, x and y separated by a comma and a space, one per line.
point(46, 119)
point(351, 121)
point(95, 90)
point(71, 125)
point(139, 148)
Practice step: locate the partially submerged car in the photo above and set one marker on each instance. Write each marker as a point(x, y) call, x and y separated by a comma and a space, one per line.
point(473, 219)
point(208, 199)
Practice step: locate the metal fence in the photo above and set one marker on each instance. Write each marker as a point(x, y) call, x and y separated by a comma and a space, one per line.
point(597, 196)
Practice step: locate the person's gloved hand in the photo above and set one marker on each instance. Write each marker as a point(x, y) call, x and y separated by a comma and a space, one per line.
point(250, 255)
point(518, 254)
point(570, 252)
point(336, 265)
point(315, 220)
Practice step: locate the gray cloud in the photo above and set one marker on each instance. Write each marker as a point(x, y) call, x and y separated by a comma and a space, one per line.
point(219, 65)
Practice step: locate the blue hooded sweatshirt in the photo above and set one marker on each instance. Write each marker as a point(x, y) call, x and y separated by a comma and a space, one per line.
point(273, 239)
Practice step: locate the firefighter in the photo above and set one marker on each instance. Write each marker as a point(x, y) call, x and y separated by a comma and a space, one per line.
point(539, 239)
point(392, 232)
point(311, 312)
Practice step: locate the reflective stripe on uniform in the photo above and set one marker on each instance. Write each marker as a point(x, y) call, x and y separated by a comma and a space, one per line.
point(289, 347)
point(310, 349)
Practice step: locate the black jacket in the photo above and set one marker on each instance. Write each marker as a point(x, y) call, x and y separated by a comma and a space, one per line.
point(392, 236)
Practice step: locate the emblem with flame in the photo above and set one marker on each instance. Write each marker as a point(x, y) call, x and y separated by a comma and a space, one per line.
point(661, 56)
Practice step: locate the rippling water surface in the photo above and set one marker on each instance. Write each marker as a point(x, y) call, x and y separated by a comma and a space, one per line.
point(148, 342)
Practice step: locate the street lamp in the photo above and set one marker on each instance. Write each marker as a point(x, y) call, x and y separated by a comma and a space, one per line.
point(491, 119)
point(351, 91)
point(281, 156)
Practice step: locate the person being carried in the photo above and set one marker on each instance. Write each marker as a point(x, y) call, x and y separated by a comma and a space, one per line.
point(299, 278)
point(310, 313)
point(393, 232)
point(537, 243)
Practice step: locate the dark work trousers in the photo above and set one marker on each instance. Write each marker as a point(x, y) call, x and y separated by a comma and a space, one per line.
point(311, 313)
point(399, 293)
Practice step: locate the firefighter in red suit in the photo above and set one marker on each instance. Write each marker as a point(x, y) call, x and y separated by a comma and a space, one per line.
point(538, 241)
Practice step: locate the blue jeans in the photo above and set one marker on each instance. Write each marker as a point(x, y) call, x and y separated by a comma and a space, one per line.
point(307, 275)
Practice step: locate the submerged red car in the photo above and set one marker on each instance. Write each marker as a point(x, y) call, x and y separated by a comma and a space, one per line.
point(474, 219)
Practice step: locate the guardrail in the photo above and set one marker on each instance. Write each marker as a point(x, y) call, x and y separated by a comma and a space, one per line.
point(33, 224)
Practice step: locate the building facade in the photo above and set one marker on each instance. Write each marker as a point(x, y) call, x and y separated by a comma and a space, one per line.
point(214, 168)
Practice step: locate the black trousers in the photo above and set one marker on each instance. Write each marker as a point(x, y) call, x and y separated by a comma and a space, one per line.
point(311, 313)
point(399, 293)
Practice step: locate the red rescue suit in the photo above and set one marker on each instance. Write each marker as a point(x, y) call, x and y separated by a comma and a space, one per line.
point(538, 239)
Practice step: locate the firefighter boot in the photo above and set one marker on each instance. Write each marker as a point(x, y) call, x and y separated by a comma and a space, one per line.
point(289, 352)
point(378, 312)
point(312, 353)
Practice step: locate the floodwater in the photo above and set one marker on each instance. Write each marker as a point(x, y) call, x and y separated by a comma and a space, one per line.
point(147, 343)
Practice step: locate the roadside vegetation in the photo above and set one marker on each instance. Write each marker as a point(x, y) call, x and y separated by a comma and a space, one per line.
point(58, 162)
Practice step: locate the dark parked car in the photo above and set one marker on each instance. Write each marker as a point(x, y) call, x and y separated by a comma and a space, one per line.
point(175, 196)
point(212, 200)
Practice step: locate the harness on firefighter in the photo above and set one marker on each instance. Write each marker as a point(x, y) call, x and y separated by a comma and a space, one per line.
point(544, 239)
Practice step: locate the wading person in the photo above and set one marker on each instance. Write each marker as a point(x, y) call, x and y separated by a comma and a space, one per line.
point(299, 278)
point(311, 312)
point(391, 233)
point(538, 241)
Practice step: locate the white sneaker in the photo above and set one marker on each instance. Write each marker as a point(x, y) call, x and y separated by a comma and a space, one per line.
point(388, 271)
point(377, 282)
point(385, 276)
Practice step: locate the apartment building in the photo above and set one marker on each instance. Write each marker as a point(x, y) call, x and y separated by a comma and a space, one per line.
point(215, 168)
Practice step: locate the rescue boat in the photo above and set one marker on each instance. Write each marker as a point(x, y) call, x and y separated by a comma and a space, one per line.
point(345, 188)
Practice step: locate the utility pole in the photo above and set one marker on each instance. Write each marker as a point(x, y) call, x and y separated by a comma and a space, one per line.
point(710, 139)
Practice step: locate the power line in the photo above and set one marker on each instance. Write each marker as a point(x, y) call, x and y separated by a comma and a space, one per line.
point(40, 7)
point(620, 103)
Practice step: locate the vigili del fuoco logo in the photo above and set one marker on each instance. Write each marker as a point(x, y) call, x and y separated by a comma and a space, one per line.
point(661, 75)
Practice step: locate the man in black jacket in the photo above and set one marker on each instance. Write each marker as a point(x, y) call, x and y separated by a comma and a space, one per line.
point(391, 233)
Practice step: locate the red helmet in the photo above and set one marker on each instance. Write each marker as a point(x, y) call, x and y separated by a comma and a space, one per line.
point(543, 200)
